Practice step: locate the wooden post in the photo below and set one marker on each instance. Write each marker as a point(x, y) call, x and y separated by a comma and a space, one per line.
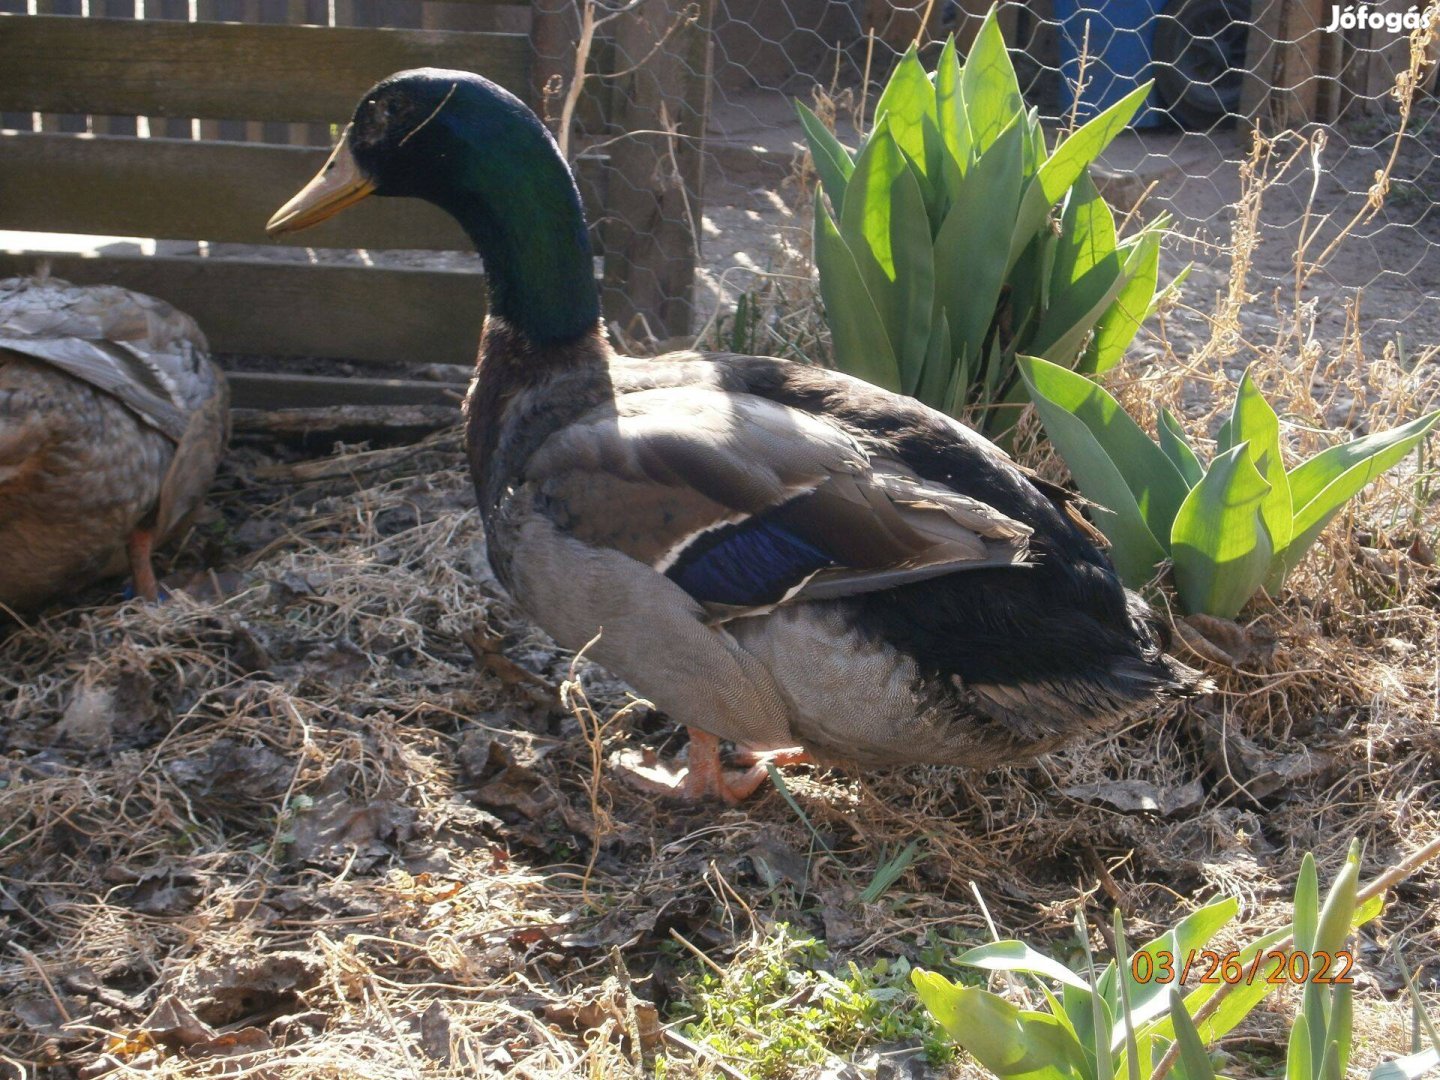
point(1257, 92)
point(554, 33)
point(1331, 62)
point(652, 234)
point(1298, 84)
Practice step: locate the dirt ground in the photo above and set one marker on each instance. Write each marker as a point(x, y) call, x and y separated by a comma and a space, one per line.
point(337, 809)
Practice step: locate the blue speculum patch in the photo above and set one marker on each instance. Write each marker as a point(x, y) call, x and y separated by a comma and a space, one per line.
point(753, 562)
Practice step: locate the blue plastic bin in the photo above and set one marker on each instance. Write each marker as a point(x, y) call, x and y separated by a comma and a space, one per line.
point(1122, 37)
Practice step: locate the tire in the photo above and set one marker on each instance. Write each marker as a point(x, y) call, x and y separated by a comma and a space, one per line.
point(1199, 57)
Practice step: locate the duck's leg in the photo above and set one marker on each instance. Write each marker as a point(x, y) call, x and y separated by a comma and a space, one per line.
point(702, 779)
point(790, 755)
point(141, 544)
point(706, 778)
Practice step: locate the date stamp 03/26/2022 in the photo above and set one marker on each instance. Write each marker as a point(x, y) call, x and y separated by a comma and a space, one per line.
point(1275, 966)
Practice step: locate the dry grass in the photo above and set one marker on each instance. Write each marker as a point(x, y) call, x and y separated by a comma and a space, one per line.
point(323, 826)
point(337, 810)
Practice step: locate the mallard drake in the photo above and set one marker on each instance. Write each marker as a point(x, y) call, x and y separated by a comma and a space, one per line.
point(112, 421)
point(772, 553)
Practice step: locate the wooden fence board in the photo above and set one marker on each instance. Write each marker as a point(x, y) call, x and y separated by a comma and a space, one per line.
point(395, 316)
point(240, 75)
point(261, 390)
point(227, 70)
point(178, 189)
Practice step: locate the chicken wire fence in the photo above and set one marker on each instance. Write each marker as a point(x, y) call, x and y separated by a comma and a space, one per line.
point(671, 85)
point(1222, 69)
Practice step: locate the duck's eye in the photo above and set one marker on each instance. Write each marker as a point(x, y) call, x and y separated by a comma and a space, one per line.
point(381, 114)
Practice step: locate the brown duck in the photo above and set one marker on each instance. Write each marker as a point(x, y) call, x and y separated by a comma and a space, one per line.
point(112, 421)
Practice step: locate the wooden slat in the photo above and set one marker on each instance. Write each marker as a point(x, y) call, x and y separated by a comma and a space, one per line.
point(224, 192)
point(259, 390)
point(178, 189)
point(321, 426)
point(404, 317)
point(227, 70)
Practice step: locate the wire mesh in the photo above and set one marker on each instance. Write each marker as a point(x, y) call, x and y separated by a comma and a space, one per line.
point(1223, 69)
point(665, 78)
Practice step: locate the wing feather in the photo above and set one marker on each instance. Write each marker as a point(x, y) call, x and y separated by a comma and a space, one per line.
point(110, 367)
point(133, 347)
point(748, 503)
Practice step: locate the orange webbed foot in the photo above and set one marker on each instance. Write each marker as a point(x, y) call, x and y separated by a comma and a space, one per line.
point(702, 779)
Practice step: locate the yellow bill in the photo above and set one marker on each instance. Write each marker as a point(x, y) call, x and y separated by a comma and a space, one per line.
point(338, 185)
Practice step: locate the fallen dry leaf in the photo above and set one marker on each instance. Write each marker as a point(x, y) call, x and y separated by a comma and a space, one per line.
point(114, 705)
point(1140, 796)
point(776, 862)
point(335, 663)
point(40, 1014)
point(1259, 771)
point(257, 772)
point(628, 928)
point(131, 1045)
point(248, 1040)
point(336, 826)
point(521, 789)
point(435, 1033)
point(1225, 642)
point(234, 988)
point(163, 890)
point(173, 1023)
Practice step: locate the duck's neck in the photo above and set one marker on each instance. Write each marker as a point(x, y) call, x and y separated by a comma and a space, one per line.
point(518, 202)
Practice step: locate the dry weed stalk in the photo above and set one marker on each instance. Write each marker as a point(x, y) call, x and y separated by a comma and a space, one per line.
point(593, 730)
point(1406, 84)
point(593, 15)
